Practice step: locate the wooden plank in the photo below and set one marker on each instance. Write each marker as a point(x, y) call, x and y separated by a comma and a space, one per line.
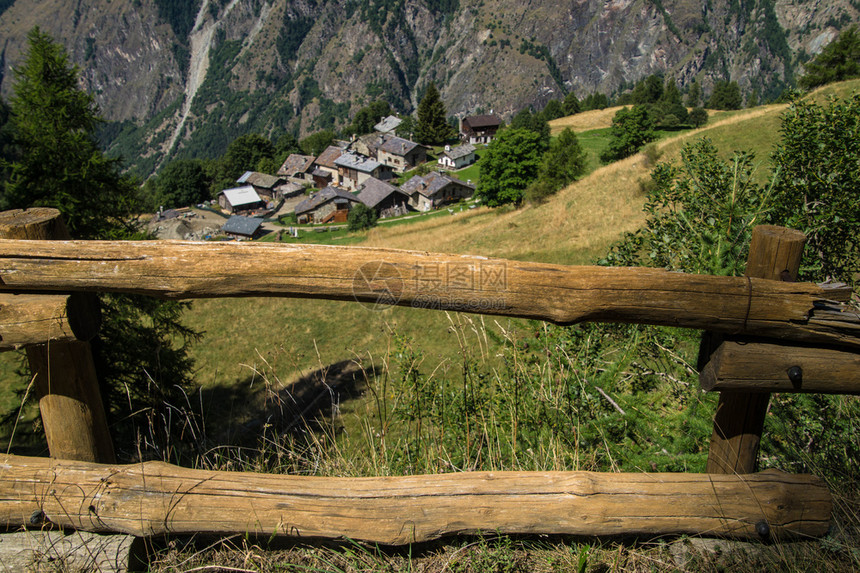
point(377, 277)
point(35, 319)
point(775, 254)
point(36, 550)
point(155, 498)
point(65, 378)
point(776, 366)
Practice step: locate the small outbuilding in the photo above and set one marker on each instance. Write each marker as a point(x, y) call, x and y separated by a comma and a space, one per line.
point(240, 227)
point(240, 199)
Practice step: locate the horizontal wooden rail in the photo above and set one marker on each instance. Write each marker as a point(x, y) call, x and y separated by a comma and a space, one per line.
point(379, 277)
point(776, 366)
point(154, 498)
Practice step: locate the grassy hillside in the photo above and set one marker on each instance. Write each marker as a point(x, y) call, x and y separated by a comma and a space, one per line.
point(574, 227)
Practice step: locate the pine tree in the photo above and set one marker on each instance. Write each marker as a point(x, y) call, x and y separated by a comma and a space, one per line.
point(432, 127)
point(59, 163)
point(141, 351)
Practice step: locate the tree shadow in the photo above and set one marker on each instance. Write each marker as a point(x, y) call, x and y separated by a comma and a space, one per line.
point(240, 414)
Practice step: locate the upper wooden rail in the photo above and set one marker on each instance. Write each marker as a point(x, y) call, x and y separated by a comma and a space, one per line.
point(556, 293)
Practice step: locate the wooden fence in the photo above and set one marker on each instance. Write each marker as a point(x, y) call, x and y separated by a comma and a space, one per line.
point(764, 333)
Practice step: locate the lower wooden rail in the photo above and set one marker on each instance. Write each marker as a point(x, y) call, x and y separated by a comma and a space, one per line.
point(156, 498)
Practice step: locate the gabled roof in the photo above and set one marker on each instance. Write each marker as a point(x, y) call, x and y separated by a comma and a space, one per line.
point(357, 162)
point(388, 124)
point(289, 188)
point(241, 196)
point(460, 151)
point(373, 192)
point(371, 141)
point(258, 179)
point(398, 146)
point(328, 157)
point(324, 196)
point(295, 164)
point(430, 184)
point(476, 121)
point(238, 225)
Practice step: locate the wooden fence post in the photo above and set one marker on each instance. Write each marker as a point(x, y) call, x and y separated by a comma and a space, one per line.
point(775, 254)
point(65, 378)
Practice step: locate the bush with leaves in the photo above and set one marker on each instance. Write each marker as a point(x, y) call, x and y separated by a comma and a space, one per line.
point(361, 217)
point(726, 95)
point(818, 185)
point(563, 162)
point(699, 214)
point(631, 129)
point(510, 164)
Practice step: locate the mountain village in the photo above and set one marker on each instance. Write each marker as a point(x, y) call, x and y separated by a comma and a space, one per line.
point(322, 190)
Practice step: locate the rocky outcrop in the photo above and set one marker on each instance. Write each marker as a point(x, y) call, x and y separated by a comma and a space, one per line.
point(303, 65)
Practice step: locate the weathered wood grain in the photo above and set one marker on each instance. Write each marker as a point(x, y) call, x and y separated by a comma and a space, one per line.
point(378, 277)
point(65, 378)
point(35, 319)
point(775, 254)
point(756, 366)
point(36, 550)
point(155, 498)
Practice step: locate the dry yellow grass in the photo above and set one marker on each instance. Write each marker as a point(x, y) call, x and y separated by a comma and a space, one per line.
point(573, 227)
point(585, 121)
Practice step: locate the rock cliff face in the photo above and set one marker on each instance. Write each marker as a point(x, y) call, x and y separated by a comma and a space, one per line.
point(184, 78)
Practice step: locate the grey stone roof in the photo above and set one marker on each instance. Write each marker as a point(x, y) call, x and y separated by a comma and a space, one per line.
point(388, 124)
point(238, 225)
point(430, 184)
point(373, 192)
point(398, 146)
point(262, 180)
point(460, 151)
point(324, 196)
point(295, 164)
point(357, 162)
point(328, 157)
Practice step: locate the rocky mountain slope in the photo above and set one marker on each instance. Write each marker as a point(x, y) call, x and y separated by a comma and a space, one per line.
point(185, 78)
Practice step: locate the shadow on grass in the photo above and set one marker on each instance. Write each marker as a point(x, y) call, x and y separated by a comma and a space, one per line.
point(242, 413)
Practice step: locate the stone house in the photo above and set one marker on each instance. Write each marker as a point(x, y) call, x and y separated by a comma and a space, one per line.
point(458, 157)
point(384, 198)
point(297, 167)
point(434, 190)
point(325, 165)
point(401, 154)
point(354, 170)
point(330, 205)
point(265, 185)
